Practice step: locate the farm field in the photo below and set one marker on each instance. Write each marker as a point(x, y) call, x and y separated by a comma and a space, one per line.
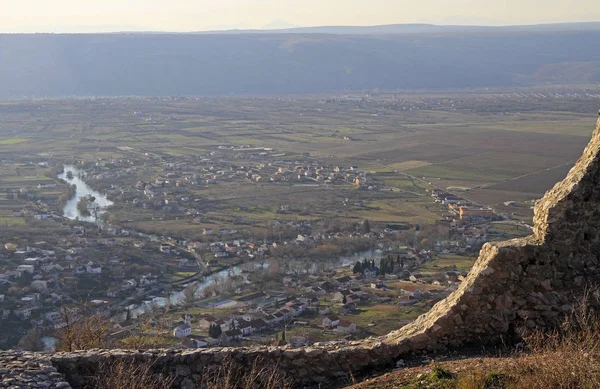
point(493, 147)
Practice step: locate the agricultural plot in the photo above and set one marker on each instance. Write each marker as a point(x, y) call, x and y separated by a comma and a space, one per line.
point(536, 183)
point(501, 148)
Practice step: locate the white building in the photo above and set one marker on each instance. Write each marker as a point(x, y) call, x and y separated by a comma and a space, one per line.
point(182, 331)
point(93, 269)
point(346, 327)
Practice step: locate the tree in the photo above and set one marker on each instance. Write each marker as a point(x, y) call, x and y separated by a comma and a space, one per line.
point(81, 331)
point(82, 206)
point(189, 293)
point(31, 341)
point(366, 264)
point(214, 331)
point(357, 267)
point(327, 251)
point(344, 300)
point(383, 266)
point(366, 227)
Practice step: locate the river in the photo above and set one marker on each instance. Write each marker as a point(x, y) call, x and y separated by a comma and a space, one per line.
point(178, 297)
point(70, 210)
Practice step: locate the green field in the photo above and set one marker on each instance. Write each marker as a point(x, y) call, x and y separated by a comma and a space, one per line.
point(13, 141)
point(442, 263)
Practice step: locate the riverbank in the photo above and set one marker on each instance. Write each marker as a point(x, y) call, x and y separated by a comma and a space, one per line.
point(74, 176)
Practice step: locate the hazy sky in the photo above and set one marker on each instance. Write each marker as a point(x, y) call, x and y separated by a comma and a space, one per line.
point(195, 15)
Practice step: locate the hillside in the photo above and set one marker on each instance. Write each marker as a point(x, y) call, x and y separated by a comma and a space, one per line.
point(45, 65)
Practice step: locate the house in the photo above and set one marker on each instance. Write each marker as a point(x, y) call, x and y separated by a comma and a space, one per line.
point(378, 285)
point(93, 269)
point(140, 244)
point(289, 281)
point(277, 318)
point(23, 313)
point(298, 341)
point(412, 291)
point(287, 313)
point(345, 296)
point(323, 310)
point(25, 269)
point(328, 286)
point(206, 322)
point(39, 285)
point(330, 321)
point(415, 277)
point(246, 328)
point(296, 307)
point(234, 334)
point(348, 309)
point(371, 272)
point(259, 325)
point(346, 327)
point(253, 298)
point(193, 343)
point(344, 281)
point(356, 291)
point(318, 291)
point(231, 335)
point(182, 330)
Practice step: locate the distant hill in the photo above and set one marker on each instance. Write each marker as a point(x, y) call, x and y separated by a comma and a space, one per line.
point(393, 29)
point(45, 65)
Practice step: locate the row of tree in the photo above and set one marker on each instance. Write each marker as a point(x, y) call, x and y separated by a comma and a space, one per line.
point(386, 265)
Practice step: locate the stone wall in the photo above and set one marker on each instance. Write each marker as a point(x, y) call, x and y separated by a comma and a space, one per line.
point(514, 286)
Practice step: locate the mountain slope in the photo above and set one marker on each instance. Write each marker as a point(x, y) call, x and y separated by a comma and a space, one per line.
point(141, 64)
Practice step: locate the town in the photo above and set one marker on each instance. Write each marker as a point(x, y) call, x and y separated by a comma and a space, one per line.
point(308, 283)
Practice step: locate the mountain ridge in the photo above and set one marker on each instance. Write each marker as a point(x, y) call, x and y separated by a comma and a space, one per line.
point(64, 65)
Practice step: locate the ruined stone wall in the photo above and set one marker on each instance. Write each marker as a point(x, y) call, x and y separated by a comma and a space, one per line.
point(514, 285)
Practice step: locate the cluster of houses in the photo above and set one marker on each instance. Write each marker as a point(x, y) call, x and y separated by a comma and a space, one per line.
point(463, 209)
point(323, 302)
point(39, 278)
point(261, 313)
point(262, 165)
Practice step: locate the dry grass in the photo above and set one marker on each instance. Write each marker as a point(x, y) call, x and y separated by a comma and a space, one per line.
point(568, 357)
point(565, 358)
point(127, 375)
point(232, 375)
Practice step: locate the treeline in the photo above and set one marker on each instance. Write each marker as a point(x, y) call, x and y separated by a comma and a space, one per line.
point(66, 196)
